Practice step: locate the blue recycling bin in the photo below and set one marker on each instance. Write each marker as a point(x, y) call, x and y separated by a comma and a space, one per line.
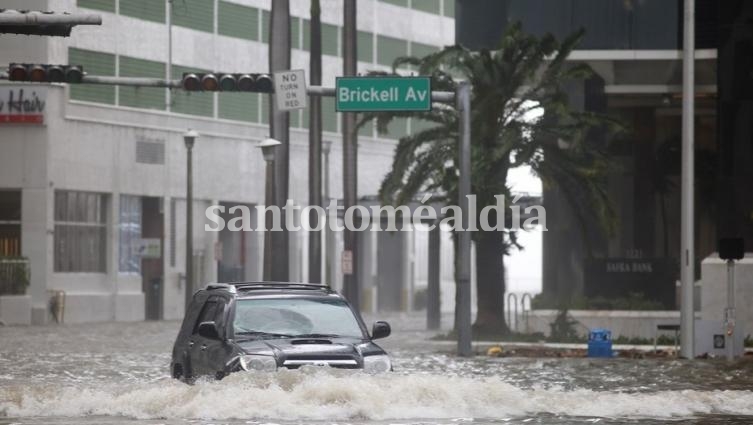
point(600, 343)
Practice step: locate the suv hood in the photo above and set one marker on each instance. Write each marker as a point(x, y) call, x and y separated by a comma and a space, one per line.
point(294, 352)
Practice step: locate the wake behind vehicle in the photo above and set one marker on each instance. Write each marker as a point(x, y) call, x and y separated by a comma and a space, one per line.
point(263, 326)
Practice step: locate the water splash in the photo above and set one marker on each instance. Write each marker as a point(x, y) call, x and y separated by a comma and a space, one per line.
point(315, 394)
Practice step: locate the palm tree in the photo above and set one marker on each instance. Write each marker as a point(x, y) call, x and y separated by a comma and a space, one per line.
point(524, 75)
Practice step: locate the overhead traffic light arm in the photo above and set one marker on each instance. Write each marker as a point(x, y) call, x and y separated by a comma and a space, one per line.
point(43, 23)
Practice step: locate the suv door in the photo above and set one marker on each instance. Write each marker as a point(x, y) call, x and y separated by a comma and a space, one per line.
point(198, 345)
point(219, 350)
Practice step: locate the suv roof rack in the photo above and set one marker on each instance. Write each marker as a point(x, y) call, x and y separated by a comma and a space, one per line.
point(250, 286)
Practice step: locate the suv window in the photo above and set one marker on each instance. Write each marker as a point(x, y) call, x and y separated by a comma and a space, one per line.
point(210, 312)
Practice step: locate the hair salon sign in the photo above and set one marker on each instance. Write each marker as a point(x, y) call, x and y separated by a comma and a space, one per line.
point(22, 104)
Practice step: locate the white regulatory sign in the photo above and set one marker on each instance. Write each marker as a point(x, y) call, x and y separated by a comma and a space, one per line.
point(347, 262)
point(290, 89)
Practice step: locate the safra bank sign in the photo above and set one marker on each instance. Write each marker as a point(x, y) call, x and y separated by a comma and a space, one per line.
point(22, 104)
point(372, 94)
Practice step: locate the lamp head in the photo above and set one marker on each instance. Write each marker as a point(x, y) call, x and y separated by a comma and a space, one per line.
point(189, 137)
point(268, 147)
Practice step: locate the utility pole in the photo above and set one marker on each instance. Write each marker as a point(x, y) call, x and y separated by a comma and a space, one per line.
point(279, 60)
point(350, 154)
point(315, 144)
point(687, 238)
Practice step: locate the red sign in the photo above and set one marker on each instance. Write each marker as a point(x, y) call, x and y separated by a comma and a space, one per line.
point(22, 104)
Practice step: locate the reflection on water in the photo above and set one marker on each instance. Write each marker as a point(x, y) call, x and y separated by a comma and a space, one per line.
point(118, 373)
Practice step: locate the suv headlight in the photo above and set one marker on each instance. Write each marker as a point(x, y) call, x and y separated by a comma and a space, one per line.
point(377, 364)
point(256, 362)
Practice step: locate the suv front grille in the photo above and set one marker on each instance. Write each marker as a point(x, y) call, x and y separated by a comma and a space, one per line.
point(341, 362)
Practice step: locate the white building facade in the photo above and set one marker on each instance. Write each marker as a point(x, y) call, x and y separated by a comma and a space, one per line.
point(94, 194)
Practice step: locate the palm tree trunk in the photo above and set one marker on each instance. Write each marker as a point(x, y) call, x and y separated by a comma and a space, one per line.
point(490, 284)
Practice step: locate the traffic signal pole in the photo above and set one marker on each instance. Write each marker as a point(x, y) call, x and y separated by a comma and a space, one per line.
point(351, 284)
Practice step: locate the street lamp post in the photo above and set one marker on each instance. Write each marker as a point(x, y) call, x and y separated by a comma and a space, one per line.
point(189, 138)
point(329, 239)
point(268, 148)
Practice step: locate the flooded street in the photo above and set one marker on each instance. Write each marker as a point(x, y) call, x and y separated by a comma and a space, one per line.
point(117, 373)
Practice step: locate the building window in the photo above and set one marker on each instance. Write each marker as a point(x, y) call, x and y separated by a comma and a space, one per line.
point(94, 63)
point(141, 97)
point(191, 103)
point(430, 6)
point(194, 14)
point(148, 10)
point(80, 232)
point(235, 20)
point(130, 234)
point(105, 5)
point(365, 43)
point(389, 49)
point(10, 223)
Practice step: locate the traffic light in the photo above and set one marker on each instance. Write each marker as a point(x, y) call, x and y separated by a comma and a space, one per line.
point(41, 73)
point(255, 83)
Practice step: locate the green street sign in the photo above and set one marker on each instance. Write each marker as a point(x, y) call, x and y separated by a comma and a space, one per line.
point(372, 94)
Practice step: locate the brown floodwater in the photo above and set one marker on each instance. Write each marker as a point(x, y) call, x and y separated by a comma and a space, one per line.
point(117, 373)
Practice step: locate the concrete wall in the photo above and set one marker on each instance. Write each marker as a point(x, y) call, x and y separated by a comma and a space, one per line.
point(15, 310)
point(625, 323)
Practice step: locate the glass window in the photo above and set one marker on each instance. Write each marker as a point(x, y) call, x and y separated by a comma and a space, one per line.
point(265, 22)
point(419, 50)
point(80, 242)
point(329, 116)
point(238, 106)
point(94, 63)
point(396, 129)
point(389, 49)
point(365, 46)
point(296, 316)
point(130, 234)
point(401, 3)
point(330, 40)
point(235, 20)
point(148, 10)
point(211, 312)
point(105, 5)
point(449, 8)
point(142, 97)
point(192, 103)
point(10, 223)
point(194, 14)
point(431, 6)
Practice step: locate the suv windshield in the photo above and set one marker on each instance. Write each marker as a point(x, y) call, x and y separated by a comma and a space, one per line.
point(295, 317)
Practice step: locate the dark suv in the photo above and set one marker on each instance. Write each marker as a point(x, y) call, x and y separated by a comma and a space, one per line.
point(262, 326)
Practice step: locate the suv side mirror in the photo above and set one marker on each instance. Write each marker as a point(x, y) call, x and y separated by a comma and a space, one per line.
point(380, 330)
point(209, 330)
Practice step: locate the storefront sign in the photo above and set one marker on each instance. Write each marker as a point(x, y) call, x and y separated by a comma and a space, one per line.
point(22, 104)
